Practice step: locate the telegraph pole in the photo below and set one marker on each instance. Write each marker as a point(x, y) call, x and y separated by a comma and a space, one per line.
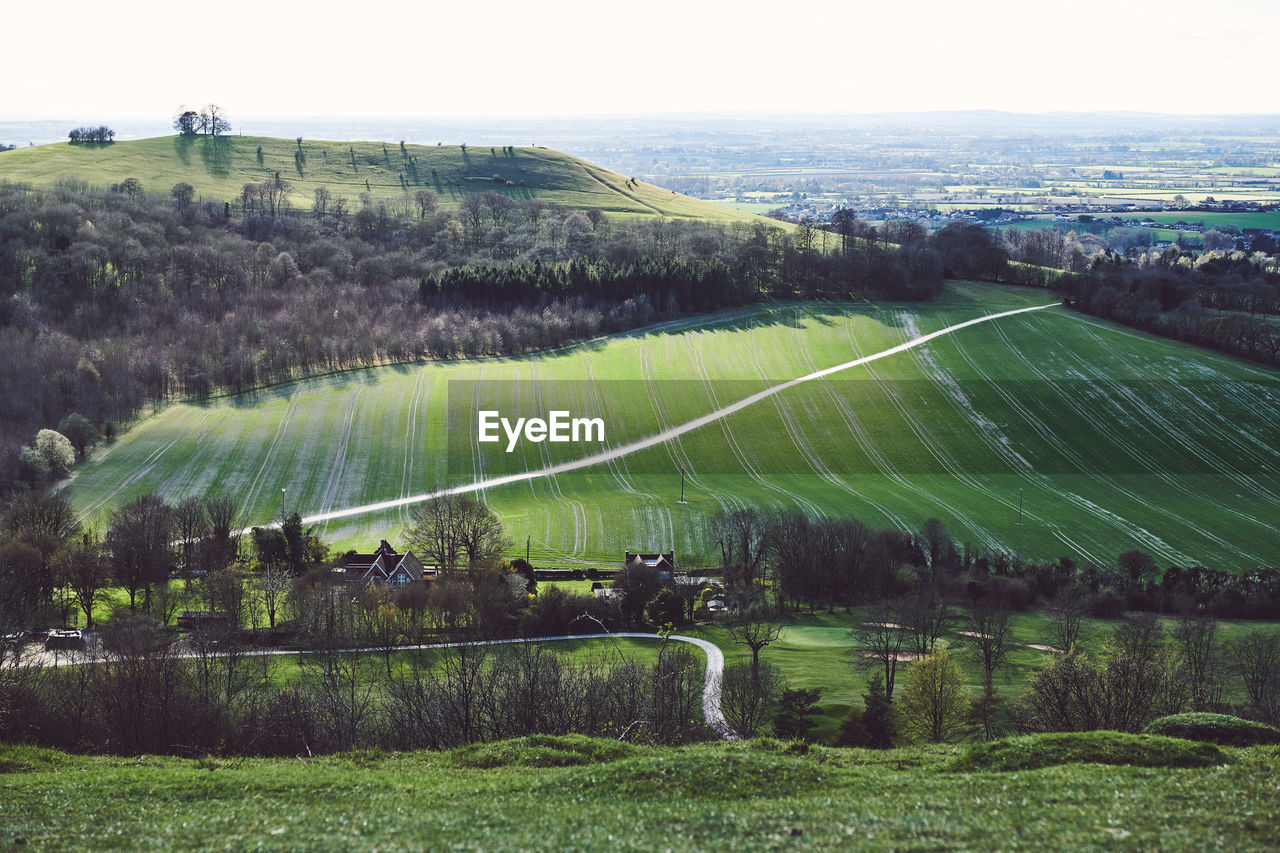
point(682, 500)
point(1019, 506)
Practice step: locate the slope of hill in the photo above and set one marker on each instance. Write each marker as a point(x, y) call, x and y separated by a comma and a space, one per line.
point(219, 168)
point(1107, 439)
point(584, 794)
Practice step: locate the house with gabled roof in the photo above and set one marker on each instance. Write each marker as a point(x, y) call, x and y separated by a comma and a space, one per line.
point(385, 565)
point(664, 563)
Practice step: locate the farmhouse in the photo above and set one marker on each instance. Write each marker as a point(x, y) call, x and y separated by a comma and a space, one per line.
point(385, 565)
point(664, 563)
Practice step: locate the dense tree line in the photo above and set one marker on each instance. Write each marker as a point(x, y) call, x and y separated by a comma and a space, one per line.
point(832, 562)
point(111, 300)
point(144, 689)
point(100, 134)
point(1227, 301)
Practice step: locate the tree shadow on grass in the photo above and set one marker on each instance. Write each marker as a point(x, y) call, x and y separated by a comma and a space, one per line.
point(182, 146)
point(216, 152)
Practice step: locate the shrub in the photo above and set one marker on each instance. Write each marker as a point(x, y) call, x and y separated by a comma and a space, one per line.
point(872, 726)
point(1031, 752)
point(795, 716)
point(934, 703)
point(1221, 729)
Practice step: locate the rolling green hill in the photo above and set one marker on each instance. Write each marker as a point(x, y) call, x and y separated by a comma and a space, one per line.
point(1109, 439)
point(220, 167)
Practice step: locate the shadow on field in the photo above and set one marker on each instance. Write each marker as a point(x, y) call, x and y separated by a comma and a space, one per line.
point(182, 147)
point(215, 151)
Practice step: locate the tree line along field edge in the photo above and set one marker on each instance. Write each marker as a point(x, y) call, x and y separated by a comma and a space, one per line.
point(292, 442)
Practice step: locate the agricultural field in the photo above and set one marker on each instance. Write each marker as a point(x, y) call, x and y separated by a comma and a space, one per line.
point(218, 168)
point(1046, 432)
point(582, 793)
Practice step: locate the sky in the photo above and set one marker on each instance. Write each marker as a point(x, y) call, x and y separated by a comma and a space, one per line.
point(100, 61)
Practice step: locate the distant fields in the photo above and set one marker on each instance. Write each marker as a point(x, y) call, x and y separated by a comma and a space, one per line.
point(219, 168)
point(1268, 221)
point(1114, 439)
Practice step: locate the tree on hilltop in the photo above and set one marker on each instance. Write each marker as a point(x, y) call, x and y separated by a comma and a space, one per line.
point(186, 122)
point(213, 120)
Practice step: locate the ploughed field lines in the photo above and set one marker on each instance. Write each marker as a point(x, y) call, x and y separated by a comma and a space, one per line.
point(1116, 440)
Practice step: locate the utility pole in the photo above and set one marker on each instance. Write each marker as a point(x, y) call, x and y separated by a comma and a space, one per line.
point(526, 548)
point(1019, 506)
point(682, 500)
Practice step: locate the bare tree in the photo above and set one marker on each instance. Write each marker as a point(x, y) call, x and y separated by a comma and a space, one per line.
point(1066, 617)
point(742, 535)
point(989, 644)
point(334, 671)
point(273, 584)
point(140, 537)
point(426, 201)
point(749, 698)
point(451, 529)
point(752, 622)
point(879, 641)
point(1255, 657)
point(213, 120)
point(381, 623)
point(223, 541)
point(926, 618)
point(85, 568)
point(190, 525)
point(1200, 654)
point(322, 198)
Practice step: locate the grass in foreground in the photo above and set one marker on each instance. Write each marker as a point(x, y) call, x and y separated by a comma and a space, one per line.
point(760, 794)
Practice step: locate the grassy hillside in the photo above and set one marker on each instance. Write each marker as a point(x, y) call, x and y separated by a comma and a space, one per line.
point(219, 168)
point(578, 793)
point(1111, 439)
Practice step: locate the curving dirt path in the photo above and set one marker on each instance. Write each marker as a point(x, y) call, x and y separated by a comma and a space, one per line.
point(660, 437)
point(710, 688)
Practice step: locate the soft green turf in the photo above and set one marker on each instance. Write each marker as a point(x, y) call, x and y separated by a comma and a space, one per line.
point(219, 168)
point(1037, 751)
point(1176, 464)
point(595, 795)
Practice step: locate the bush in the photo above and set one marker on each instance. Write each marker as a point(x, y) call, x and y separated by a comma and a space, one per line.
point(874, 725)
point(666, 606)
point(1221, 729)
point(795, 716)
point(934, 704)
point(1031, 752)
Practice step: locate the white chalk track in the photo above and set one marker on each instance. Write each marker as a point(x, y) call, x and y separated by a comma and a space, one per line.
point(661, 437)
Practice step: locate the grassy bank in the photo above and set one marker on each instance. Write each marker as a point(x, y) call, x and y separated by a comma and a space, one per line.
point(577, 793)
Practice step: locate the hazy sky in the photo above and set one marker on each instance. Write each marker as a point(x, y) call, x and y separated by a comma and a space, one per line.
point(106, 59)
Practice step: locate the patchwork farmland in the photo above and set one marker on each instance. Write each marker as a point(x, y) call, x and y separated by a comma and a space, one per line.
point(1100, 439)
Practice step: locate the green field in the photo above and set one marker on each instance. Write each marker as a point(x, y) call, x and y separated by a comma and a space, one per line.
point(219, 168)
point(1113, 439)
point(577, 793)
point(1269, 220)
